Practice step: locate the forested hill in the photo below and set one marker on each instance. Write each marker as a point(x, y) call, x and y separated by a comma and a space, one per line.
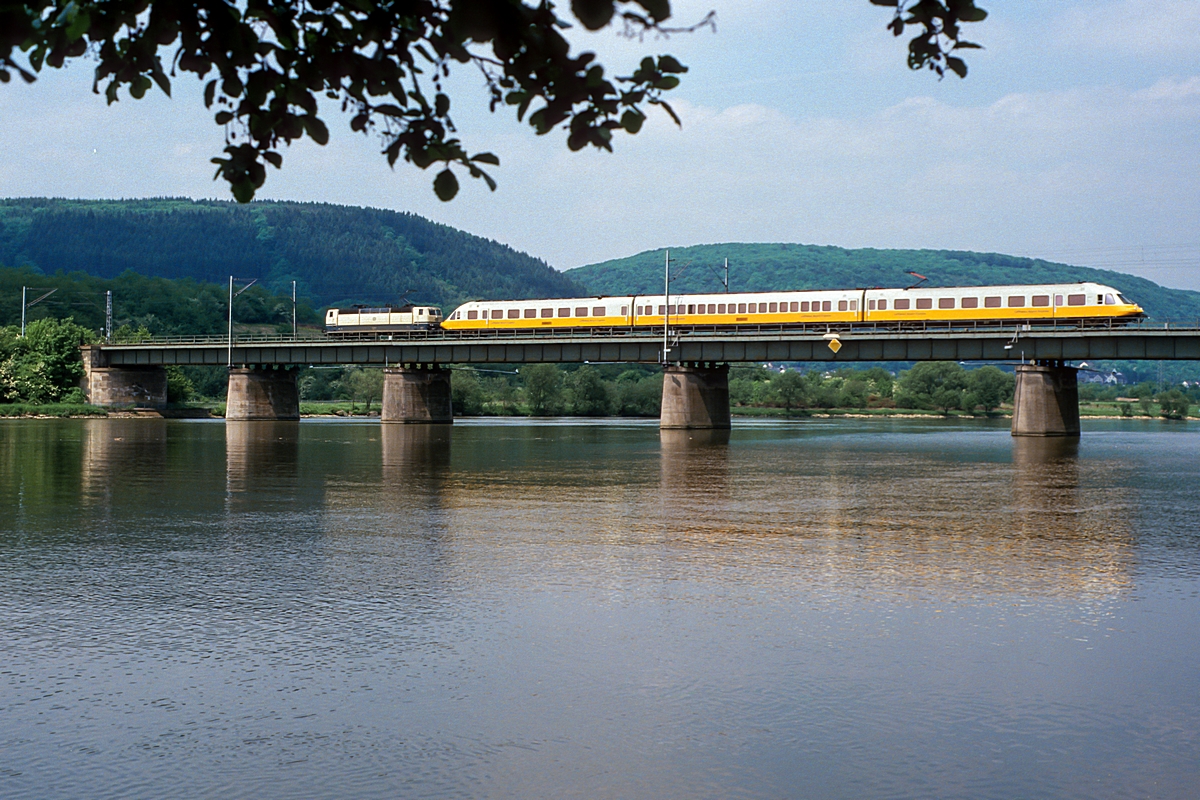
point(337, 254)
point(766, 267)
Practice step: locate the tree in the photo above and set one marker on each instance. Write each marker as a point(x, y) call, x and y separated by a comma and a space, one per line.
point(589, 394)
point(789, 387)
point(988, 387)
point(932, 384)
point(466, 394)
point(1174, 404)
point(268, 63)
point(44, 365)
point(362, 385)
point(543, 388)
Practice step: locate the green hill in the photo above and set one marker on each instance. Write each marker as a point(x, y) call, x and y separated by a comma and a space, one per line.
point(337, 254)
point(769, 267)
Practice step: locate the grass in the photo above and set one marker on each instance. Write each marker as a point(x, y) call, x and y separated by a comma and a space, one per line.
point(51, 410)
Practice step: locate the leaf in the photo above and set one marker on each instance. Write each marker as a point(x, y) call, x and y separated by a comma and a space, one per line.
point(316, 129)
point(632, 121)
point(667, 107)
point(445, 185)
point(594, 14)
point(956, 65)
point(670, 64)
point(487, 158)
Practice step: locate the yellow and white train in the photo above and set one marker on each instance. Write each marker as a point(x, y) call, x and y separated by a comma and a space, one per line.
point(1065, 302)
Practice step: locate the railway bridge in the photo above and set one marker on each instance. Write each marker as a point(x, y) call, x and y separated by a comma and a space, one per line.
point(262, 371)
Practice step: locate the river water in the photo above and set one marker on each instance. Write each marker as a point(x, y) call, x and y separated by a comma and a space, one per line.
point(820, 609)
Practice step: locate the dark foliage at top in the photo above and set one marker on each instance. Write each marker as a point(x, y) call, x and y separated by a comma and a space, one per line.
point(337, 254)
point(784, 267)
point(269, 64)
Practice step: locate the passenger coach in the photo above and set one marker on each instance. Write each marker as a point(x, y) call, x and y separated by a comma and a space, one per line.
point(1075, 302)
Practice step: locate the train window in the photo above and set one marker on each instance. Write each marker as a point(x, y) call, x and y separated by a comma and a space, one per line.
point(691, 308)
point(1099, 299)
point(945, 302)
point(870, 305)
point(720, 308)
point(530, 313)
point(472, 315)
point(1041, 300)
point(712, 308)
point(774, 309)
point(991, 302)
point(1058, 299)
point(902, 304)
point(854, 305)
point(700, 309)
point(843, 305)
point(672, 309)
point(804, 307)
point(970, 302)
point(924, 302)
point(1121, 297)
point(1110, 300)
point(883, 305)
point(514, 313)
point(624, 311)
point(598, 311)
point(741, 308)
point(826, 306)
point(662, 310)
point(1016, 301)
point(795, 307)
point(564, 312)
point(581, 312)
point(639, 310)
point(547, 312)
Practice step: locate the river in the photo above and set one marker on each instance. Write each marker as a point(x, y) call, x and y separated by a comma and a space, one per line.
point(517, 609)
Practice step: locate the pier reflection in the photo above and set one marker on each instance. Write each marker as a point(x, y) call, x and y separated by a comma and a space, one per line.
point(415, 459)
point(121, 455)
point(262, 459)
point(694, 467)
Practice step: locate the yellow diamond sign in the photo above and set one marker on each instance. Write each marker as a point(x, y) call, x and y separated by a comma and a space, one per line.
point(835, 345)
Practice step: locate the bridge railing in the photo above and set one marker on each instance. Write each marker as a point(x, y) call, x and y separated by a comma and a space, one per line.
point(694, 331)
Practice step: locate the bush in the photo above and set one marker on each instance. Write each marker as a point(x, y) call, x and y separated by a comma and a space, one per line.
point(1173, 404)
point(43, 365)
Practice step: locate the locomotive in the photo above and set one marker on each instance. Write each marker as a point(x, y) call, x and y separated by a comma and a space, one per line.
point(382, 319)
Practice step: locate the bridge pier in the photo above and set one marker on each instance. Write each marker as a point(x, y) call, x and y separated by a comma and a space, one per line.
point(1046, 400)
point(262, 393)
point(142, 386)
point(417, 394)
point(695, 395)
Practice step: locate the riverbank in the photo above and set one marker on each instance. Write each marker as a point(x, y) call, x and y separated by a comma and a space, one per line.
point(318, 410)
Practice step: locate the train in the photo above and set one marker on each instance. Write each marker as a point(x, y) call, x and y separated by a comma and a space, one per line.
point(381, 319)
point(1066, 302)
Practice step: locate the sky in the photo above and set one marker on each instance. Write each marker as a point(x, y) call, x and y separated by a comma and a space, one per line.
point(1073, 138)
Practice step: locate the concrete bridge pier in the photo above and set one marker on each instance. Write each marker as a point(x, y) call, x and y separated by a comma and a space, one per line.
point(262, 393)
point(142, 386)
point(1046, 401)
point(417, 393)
point(695, 395)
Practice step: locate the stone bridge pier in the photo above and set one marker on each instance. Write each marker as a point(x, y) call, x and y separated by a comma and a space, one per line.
point(695, 396)
point(1046, 400)
point(131, 386)
point(417, 393)
point(262, 393)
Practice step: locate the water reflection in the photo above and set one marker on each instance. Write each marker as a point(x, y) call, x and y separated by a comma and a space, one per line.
point(694, 468)
point(261, 457)
point(117, 452)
